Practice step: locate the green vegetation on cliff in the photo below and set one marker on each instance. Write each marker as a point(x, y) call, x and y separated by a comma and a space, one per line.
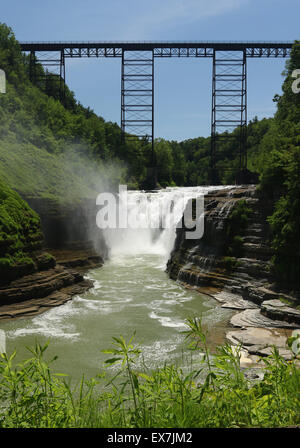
point(20, 235)
point(46, 149)
point(280, 179)
point(37, 130)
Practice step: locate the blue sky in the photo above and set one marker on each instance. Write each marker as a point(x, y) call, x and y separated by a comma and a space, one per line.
point(182, 86)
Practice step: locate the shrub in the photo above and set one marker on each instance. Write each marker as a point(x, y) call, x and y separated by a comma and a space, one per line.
point(229, 263)
point(237, 223)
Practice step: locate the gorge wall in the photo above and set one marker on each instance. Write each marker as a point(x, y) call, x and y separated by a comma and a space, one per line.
point(233, 263)
point(70, 227)
point(207, 262)
point(40, 245)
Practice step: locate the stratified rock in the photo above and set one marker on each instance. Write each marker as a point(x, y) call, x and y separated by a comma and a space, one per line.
point(243, 282)
point(275, 309)
point(203, 262)
point(260, 342)
point(233, 301)
point(254, 318)
point(259, 336)
point(77, 256)
point(33, 294)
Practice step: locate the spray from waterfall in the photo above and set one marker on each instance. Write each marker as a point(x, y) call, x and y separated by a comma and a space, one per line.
point(152, 218)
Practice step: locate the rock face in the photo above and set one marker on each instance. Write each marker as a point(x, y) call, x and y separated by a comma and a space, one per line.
point(33, 294)
point(51, 286)
point(69, 226)
point(244, 281)
point(275, 309)
point(203, 262)
point(72, 241)
point(77, 256)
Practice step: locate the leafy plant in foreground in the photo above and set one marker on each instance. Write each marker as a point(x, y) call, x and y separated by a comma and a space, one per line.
point(214, 394)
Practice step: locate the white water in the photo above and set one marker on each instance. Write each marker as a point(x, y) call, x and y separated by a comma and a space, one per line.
point(131, 292)
point(157, 215)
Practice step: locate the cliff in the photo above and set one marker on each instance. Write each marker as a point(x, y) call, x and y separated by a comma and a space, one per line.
point(233, 263)
point(71, 225)
point(32, 278)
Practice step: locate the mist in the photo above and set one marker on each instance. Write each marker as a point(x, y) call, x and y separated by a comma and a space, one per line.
point(89, 178)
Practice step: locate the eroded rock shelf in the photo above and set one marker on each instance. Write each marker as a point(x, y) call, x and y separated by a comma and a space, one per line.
point(266, 313)
point(33, 294)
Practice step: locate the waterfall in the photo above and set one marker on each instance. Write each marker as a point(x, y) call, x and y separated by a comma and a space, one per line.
point(152, 218)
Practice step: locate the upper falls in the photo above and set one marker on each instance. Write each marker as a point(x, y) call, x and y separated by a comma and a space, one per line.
point(151, 220)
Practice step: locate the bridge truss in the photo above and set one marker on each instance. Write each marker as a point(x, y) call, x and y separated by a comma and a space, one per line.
point(229, 82)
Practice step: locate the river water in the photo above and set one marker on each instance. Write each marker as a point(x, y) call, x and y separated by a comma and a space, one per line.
point(132, 292)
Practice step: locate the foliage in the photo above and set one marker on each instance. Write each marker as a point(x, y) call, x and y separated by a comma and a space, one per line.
point(41, 132)
point(20, 234)
point(217, 394)
point(42, 128)
point(280, 180)
point(236, 225)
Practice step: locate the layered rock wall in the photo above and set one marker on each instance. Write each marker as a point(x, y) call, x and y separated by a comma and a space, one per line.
point(242, 280)
point(69, 226)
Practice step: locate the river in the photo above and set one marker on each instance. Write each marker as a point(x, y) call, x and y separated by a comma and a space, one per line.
point(131, 292)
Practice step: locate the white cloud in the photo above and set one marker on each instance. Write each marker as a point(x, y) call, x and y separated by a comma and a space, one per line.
point(147, 17)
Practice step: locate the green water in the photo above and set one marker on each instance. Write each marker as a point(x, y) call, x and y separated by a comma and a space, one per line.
point(130, 293)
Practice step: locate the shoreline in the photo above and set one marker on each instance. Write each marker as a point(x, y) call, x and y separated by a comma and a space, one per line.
point(256, 325)
point(255, 336)
point(34, 294)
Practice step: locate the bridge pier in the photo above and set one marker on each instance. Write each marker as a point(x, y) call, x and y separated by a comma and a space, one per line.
point(229, 107)
point(43, 79)
point(32, 67)
point(137, 101)
point(62, 77)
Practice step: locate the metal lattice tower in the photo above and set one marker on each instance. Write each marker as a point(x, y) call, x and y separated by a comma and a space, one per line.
point(53, 63)
point(229, 104)
point(137, 96)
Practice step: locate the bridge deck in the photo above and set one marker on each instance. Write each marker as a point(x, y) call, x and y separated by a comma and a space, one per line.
point(160, 48)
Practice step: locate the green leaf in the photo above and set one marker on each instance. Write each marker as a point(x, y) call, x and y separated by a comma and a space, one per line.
point(112, 360)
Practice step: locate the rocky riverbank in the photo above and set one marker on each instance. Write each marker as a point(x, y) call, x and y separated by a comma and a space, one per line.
point(44, 250)
point(35, 293)
point(236, 271)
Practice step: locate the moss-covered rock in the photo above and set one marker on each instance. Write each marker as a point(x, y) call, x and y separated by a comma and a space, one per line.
point(20, 235)
point(236, 225)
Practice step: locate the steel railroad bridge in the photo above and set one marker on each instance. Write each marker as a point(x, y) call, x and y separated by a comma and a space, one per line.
point(229, 81)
